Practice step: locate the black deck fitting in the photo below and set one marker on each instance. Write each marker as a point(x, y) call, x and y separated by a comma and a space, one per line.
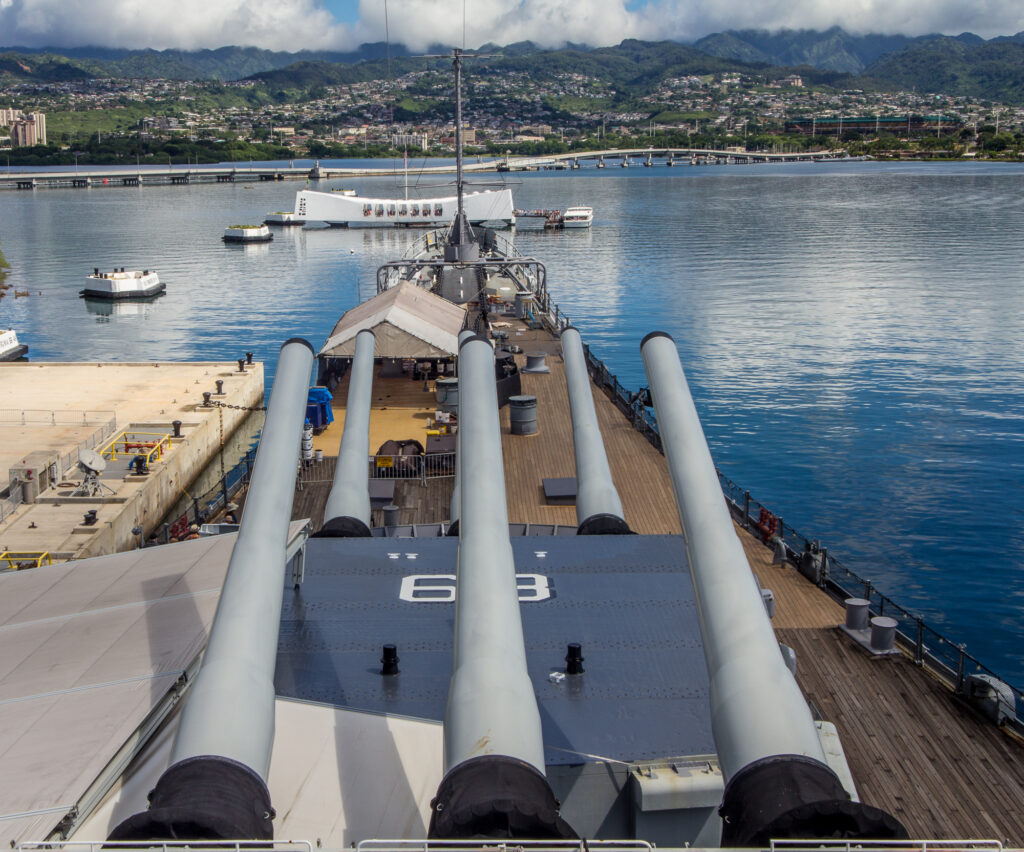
point(574, 659)
point(389, 660)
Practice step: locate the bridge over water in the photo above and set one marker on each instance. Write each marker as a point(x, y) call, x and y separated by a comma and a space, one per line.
point(115, 176)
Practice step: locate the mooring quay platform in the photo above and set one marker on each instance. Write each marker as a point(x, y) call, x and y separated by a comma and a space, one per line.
point(50, 508)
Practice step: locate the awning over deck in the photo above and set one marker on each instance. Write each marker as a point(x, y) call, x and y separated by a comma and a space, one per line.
point(408, 322)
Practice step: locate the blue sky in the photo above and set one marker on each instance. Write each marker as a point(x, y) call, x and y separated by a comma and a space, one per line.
point(346, 11)
point(345, 24)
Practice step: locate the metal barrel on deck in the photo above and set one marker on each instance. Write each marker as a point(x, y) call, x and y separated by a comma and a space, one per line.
point(494, 783)
point(778, 783)
point(598, 507)
point(216, 785)
point(347, 512)
point(455, 505)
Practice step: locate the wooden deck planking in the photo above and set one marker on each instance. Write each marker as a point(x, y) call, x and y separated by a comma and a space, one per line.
point(418, 502)
point(913, 748)
point(638, 470)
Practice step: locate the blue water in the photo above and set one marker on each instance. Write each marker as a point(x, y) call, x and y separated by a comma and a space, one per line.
point(852, 333)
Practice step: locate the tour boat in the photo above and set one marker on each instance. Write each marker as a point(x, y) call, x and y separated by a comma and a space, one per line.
point(10, 349)
point(122, 284)
point(578, 217)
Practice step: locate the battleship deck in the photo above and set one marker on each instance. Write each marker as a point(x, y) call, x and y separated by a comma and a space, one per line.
point(50, 411)
point(912, 746)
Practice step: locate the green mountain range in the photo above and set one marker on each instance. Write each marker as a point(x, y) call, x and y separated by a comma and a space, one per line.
point(958, 65)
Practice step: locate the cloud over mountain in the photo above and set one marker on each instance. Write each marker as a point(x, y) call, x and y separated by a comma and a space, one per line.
point(307, 24)
point(185, 24)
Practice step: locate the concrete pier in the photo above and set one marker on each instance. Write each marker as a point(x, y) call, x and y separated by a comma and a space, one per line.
point(50, 411)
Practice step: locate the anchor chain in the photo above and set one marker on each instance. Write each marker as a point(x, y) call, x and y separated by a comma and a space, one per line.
point(216, 404)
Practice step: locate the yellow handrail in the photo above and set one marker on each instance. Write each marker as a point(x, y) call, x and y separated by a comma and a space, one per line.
point(136, 443)
point(17, 559)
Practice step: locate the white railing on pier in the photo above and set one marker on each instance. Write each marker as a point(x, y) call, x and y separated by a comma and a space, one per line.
point(40, 416)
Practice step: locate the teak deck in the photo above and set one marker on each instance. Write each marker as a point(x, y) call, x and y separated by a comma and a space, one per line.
point(913, 748)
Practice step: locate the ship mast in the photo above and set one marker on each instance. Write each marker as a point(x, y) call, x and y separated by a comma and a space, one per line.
point(457, 62)
point(461, 246)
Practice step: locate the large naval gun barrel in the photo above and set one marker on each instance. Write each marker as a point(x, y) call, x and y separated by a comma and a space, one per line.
point(456, 503)
point(778, 784)
point(215, 787)
point(598, 507)
point(494, 783)
point(347, 513)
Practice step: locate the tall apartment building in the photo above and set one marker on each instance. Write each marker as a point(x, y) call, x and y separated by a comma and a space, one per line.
point(29, 131)
point(40, 121)
point(9, 116)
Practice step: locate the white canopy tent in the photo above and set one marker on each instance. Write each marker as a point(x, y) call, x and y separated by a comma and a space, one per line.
point(407, 321)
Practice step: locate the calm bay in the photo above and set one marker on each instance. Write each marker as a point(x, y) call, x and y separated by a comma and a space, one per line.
point(852, 332)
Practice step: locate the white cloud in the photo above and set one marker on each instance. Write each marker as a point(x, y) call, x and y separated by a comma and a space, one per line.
point(420, 23)
point(186, 24)
point(683, 19)
point(298, 24)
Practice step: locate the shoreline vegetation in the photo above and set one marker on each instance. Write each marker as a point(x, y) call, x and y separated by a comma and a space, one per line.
point(127, 151)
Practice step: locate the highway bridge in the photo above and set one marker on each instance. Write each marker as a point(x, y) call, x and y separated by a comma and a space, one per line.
point(612, 157)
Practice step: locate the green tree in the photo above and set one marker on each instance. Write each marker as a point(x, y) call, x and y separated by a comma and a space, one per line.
point(4, 269)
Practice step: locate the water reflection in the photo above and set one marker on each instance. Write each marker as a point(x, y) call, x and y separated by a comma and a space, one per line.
point(104, 309)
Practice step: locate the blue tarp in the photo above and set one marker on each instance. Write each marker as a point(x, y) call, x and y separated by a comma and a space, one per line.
point(318, 407)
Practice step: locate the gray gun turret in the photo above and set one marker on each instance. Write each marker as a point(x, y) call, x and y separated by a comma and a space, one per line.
point(494, 783)
point(347, 512)
point(778, 783)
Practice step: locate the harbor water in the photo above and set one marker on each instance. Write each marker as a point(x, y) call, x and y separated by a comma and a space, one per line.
point(852, 332)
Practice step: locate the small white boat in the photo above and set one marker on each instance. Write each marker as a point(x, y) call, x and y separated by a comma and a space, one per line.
point(247, 234)
point(10, 349)
point(281, 217)
point(122, 284)
point(578, 217)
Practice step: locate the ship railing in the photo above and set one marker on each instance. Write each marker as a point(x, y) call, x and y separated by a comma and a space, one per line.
point(929, 648)
point(423, 467)
point(424, 845)
point(168, 845)
point(857, 845)
point(493, 245)
point(202, 507)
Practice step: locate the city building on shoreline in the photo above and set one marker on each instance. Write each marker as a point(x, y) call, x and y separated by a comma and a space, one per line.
point(27, 129)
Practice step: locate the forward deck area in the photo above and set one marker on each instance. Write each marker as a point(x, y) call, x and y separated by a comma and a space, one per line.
point(913, 747)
